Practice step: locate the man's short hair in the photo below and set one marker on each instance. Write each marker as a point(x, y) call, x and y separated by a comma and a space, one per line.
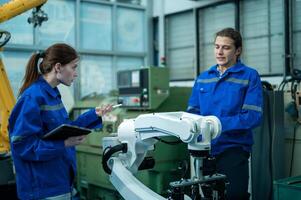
point(231, 33)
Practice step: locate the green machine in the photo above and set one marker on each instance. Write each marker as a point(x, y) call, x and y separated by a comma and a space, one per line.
point(140, 91)
point(288, 188)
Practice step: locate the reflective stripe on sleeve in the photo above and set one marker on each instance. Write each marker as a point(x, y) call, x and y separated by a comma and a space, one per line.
point(252, 107)
point(239, 81)
point(233, 80)
point(210, 80)
point(16, 138)
point(51, 108)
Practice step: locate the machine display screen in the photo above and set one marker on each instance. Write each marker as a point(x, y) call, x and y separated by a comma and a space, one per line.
point(128, 79)
point(124, 79)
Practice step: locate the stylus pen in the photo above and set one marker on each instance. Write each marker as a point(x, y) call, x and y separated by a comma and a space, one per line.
point(117, 105)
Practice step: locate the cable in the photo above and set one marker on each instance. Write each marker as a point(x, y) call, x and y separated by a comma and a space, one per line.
point(293, 89)
point(106, 149)
point(267, 86)
point(167, 142)
point(283, 83)
point(282, 89)
point(108, 153)
point(293, 148)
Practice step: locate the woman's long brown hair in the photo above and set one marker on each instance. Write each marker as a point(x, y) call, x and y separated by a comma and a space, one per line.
point(57, 53)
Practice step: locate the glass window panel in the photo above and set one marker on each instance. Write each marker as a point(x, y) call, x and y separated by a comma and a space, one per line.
point(276, 53)
point(21, 31)
point(15, 65)
point(276, 37)
point(180, 45)
point(180, 30)
point(96, 26)
point(254, 16)
point(262, 25)
point(209, 23)
point(297, 15)
point(276, 18)
point(254, 56)
point(181, 63)
point(208, 56)
point(130, 30)
point(60, 26)
point(95, 75)
point(125, 63)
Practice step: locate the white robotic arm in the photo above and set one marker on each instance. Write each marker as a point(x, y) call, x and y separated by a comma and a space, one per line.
point(137, 136)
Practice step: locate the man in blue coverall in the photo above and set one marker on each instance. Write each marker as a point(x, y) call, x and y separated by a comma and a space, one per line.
point(232, 92)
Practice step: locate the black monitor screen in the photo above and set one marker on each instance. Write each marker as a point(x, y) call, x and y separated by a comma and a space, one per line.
point(124, 79)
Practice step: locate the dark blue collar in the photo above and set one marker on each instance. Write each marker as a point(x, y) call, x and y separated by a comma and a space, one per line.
point(54, 92)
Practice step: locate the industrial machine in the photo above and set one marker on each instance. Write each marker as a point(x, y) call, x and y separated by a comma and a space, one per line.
point(287, 188)
point(142, 90)
point(7, 99)
point(137, 136)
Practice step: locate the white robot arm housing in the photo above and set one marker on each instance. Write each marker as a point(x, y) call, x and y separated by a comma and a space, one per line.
point(137, 136)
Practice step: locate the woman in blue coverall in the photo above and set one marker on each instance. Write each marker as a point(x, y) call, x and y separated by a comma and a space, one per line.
point(232, 92)
point(45, 169)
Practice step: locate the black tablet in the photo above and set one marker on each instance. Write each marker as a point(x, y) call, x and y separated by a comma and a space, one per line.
point(64, 131)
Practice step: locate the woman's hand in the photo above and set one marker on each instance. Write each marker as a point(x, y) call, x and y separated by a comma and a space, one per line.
point(73, 141)
point(102, 110)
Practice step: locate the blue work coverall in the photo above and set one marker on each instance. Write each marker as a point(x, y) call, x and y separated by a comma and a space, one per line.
point(235, 97)
point(44, 168)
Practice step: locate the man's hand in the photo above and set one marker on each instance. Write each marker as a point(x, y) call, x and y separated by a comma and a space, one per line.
point(104, 109)
point(73, 141)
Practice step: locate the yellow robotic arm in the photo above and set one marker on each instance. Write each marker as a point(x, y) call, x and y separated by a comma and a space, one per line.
point(7, 99)
point(16, 7)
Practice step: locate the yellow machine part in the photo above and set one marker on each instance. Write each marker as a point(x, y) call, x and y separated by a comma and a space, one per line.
point(7, 101)
point(16, 7)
